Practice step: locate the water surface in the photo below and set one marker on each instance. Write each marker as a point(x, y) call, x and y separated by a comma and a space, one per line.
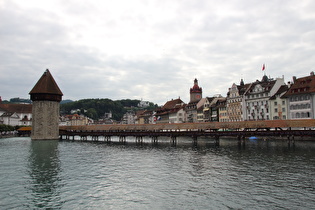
point(86, 175)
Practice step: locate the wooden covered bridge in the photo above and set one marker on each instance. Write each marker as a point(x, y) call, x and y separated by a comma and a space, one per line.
point(277, 128)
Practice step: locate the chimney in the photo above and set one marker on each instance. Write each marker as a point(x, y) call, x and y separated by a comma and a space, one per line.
point(294, 79)
point(312, 73)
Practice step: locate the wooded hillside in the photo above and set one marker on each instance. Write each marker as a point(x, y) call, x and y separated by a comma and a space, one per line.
point(96, 108)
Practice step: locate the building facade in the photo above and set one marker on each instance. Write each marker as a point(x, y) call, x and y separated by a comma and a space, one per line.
point(236, 101)
point(257, 98)
point(301, 98)
point(16, 114)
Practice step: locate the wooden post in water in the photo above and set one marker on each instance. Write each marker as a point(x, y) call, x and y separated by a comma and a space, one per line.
point(46, 96)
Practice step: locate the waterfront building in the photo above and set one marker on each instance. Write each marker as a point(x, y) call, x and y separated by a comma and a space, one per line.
point(46, 96)
point(301, 98)
point(195, 97)
point(222, 107)
point(206, 109)
point(16, 114)
point(173, 111)
point(74, 120)
point(200, 108)
point(236, 101)
point(129, 117)
point(278, 104)
point(257, 98)
point(214, 107)
point(144, 117)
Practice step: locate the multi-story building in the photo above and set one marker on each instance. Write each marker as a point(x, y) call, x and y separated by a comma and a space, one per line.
point(74, 120)
point(144, 117)
point(129, 117)
point(191, 107)
point(200, 108)
point(236, 101)
point(207, 109)
point(215, 107)
point(172, 112)
point(278, 104)
point(257, 98)
point(223, 114)
point(301, 98)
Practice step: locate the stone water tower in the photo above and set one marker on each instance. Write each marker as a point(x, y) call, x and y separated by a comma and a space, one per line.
point(46, 96)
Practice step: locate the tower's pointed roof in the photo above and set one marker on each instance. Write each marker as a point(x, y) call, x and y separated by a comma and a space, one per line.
point(46, 85)
point(196, 88)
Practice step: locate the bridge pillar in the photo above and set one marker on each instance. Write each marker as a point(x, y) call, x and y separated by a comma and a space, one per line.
point(195, 139)
point(241, 140)
point(122, 139)
point(291, 140)
point(139, 139)
point(217, 141)
point(107, 138)
point(173, 140)
point(154, 139)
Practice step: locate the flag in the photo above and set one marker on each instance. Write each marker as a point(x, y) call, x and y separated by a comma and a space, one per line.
point(263, 67)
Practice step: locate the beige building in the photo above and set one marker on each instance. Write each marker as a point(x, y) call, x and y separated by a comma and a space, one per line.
point(235, 101)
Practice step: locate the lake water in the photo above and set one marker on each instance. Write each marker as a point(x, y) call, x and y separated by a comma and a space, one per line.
point(87, 175)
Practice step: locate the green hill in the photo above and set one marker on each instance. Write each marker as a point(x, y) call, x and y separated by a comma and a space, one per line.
point(96, 108)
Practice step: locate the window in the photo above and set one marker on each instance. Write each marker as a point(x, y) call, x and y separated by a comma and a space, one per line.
point(283, 102)
point(283, 109)
point(275, 103)
point(276, 110)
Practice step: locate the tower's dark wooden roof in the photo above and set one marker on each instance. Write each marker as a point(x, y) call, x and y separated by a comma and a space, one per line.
point(46, 85)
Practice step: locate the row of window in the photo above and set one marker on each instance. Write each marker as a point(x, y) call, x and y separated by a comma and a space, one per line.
point(276, 110)
point(300, 115)
point(276, 103)
point(300, 98)
point(260, 95)
point(300, 106)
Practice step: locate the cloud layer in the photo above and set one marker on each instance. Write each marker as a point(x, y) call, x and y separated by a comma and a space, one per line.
point(152, 50)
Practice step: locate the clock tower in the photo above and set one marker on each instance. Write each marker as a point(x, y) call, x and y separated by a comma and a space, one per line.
point(195, 92)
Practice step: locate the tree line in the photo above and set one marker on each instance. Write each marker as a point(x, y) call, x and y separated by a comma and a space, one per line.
point(96, 108)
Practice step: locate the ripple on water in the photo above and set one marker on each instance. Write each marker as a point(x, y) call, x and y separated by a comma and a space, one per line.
point(79, 175)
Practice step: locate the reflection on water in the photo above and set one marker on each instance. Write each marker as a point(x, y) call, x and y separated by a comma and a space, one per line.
point(44, 168)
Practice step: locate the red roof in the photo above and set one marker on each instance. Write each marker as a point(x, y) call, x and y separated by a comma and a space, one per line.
point(303, 85)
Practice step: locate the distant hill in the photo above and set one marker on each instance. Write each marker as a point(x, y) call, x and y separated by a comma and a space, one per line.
point(96, 108)
point(65, 101)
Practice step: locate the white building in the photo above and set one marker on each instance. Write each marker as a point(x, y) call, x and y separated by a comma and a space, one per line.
point(16, 114)
point(257, 98)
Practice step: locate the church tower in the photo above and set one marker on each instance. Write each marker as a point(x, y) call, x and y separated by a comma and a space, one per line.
point(46, 96)
point(195, 92)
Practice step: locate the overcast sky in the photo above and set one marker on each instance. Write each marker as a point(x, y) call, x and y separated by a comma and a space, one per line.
point(152, 49)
